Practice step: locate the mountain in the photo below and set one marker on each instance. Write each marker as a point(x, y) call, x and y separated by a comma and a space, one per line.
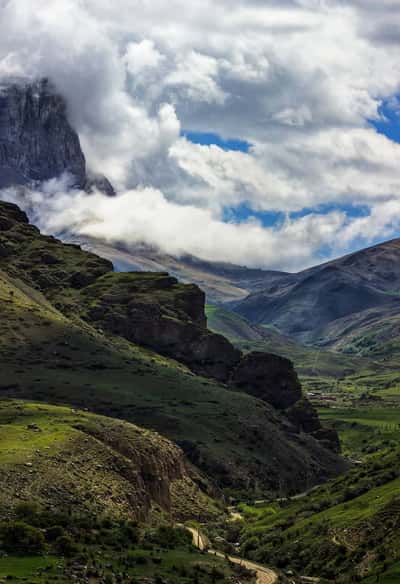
point(328, 305)
point(310, 362)
point(73, 331)
point(222, 282)
point(37, 142)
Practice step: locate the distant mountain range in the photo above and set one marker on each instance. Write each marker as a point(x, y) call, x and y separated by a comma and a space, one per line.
point(335, 304)
point(351, 304)
point(223, 283)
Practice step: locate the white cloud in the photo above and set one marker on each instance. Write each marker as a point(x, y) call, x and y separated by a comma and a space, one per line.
point(298, 79)
point(142, 56)
point(146, 215)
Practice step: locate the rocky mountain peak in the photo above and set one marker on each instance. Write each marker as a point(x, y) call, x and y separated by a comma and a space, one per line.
point(37, 141)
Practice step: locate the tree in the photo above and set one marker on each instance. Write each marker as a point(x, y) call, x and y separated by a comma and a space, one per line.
point(19, 537)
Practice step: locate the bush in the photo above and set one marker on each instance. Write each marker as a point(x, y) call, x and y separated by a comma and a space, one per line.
point(54, 532)
point(19, 537)
point(66, 546)
point(170, 537)
point(27, 512)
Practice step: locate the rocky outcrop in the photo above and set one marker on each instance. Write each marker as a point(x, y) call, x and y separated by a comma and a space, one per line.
point(268, 377)
point(37, 142)
point(155, 311)
point(274, 380)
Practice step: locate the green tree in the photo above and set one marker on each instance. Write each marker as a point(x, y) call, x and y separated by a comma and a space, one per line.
point(19, 537)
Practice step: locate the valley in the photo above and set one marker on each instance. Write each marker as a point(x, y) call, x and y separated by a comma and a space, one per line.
point(77, 359)
point(155, 407)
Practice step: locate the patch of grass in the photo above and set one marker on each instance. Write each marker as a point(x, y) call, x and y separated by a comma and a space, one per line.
point(364, 429)
point(36, 568)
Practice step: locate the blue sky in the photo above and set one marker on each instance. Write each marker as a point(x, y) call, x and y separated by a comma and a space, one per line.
point(299, 80)
point(207, 138)
point(388, 125)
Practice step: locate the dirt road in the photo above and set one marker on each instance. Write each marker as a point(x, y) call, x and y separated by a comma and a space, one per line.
point(264, 575)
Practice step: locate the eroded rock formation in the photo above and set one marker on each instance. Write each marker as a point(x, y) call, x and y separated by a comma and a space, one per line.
point(37, 142)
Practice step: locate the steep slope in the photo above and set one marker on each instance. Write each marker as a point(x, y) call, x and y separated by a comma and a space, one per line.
point(310, 304)
point(37, 142)
point(237, 439)
point(67, 460)
point(346, 531)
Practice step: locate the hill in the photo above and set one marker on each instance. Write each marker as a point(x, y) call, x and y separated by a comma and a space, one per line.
point(66, 460)
point(308, 361)
point(65, 356)
point(346, 531)
point(89, 499)
point(326, 304)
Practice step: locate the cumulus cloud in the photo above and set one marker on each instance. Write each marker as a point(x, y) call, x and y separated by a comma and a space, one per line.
point(146, 215)
point(299, 80)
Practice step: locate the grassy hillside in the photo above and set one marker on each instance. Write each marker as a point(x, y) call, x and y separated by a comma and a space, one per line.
point(90, 499)
point(71, 461)
point(345, 531)
point(239, 441)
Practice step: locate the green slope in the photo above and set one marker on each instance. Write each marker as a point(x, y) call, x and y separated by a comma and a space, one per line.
point(87, 498)
point(344, 531)
point(239, 441)
point(71, 461)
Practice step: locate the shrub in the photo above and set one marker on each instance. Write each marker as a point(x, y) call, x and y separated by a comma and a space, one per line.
point(66, 546)
point(170, 537)
point(27, 512)
point(54, 532)
point(19, 537)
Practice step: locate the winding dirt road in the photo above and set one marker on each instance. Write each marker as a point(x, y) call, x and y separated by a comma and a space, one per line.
point(264, 575)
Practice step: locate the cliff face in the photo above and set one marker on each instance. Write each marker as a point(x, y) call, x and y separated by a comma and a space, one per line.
point(155, 311)
point(268, 377)
point(37, 142)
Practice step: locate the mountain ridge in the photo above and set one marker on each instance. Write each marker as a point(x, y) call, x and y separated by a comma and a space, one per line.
point(59, 355)
point(308, 304)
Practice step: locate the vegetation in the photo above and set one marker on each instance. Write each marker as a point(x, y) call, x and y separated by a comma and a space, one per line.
point(78, 462)
point(88, 498)
point(66, 547)
point(346, 530)
point(50, 354)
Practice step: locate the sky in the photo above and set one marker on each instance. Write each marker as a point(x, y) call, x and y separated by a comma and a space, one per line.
point(260, 132)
